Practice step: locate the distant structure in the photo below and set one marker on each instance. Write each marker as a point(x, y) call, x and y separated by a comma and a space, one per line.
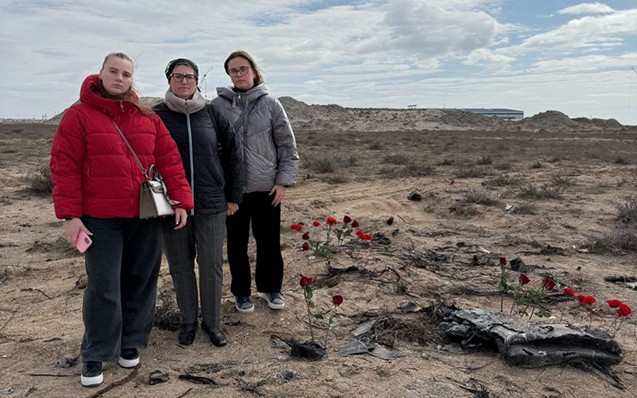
point(412, 106)
point(507, 114)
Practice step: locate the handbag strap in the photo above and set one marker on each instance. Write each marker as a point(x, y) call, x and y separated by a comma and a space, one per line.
point(141, 166)
point(244, 114)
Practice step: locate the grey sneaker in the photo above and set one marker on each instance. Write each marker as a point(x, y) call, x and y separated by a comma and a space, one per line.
point(275, 300)
point(92, 374)
point(244, 304)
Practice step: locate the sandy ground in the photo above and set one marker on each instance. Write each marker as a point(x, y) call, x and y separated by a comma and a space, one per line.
point(41, 291)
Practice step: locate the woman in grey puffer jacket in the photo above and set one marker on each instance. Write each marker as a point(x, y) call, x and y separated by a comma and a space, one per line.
point(270, 162)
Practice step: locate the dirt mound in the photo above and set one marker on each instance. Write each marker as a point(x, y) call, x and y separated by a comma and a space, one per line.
point(336, 117)
point(557, 121)
point(549, 120)
point(599, 123)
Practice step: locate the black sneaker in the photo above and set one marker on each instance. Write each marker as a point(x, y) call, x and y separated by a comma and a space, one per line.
point(92, 374)
point(128, 358)
point(244, 304)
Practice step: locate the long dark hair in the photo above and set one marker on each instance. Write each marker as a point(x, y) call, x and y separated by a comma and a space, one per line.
point(258, 77)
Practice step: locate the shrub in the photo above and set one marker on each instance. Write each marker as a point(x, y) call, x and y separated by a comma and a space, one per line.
point(481, 197)
point(323, 165)
point(484, 160)
point(627, 211)
point(501, 180)
point(397, 158)
point(470, 172)
point(620, 160)
point(615, 241)
point(40, 181)
point(545, 191)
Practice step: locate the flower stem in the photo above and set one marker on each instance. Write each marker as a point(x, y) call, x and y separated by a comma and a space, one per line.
point(309, 314)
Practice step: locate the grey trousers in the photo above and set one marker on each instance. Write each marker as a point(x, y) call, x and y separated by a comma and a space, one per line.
point(122, 266)
point(201, 238)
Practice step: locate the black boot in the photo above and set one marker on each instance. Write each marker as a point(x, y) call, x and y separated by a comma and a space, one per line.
point(187, 334)
point(217, 337)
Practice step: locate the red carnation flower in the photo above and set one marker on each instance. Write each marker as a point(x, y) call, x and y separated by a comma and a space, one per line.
point(589, 300)
point(624, 310)
point(569, 292)
point(524, 279)
point(548, 283)
point(612, 303)
point(365, 237)
point(359, 233)
point(503, 261)
point(581, 298)
point(337, 300)
point(316, 223)
point(306, 236)
point(331, 221)
point(347, 219)
point(306, 281)
point(305, 246)
point(296, 227)
point(354, 224)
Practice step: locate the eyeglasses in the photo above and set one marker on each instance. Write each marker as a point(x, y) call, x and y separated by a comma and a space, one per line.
point(239, 72)
point(180, 78)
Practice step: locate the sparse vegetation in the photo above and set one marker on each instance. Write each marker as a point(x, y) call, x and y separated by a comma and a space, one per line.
point(40, 181)
point(484, 160)
point(469, 172)
point(396, 158)
point(627, 212)
point(482, 197)
point(501, 181)
point(544, 191)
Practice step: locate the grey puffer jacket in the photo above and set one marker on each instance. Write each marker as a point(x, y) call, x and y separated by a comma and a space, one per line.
point(266, 137)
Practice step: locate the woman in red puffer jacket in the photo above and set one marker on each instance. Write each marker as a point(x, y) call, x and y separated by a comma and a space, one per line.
point(96, 189)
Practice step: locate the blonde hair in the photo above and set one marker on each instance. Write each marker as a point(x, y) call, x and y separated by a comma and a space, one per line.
point(131, 94)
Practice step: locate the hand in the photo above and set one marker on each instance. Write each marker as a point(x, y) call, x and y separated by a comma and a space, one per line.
point(181, 217)
point(232, 208)
point(279, 194)
point(72, 230)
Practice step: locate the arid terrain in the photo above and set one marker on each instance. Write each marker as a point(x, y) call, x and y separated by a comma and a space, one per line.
point(444, 195)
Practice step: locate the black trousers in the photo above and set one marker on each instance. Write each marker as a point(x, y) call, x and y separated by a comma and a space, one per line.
point(256, 210)
point(122, 266)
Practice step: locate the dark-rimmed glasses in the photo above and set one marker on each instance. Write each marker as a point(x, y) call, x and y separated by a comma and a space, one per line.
point(180, 78)
point(238, 72)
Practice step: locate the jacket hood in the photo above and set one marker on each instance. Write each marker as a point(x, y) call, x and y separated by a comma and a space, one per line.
point(90, 95)
point(246, 96)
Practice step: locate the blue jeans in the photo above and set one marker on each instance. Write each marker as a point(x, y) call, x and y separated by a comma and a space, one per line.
point(122, 266)
point(201, 238)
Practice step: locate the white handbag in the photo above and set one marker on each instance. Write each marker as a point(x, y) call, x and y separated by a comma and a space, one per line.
point(153, 198)
point(153, 195)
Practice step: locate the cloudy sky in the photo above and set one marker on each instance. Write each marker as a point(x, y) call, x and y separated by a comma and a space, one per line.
point(532, 55)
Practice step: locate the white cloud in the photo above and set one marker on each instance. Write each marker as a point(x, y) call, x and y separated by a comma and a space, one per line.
point(361, 53)
point(587, 8)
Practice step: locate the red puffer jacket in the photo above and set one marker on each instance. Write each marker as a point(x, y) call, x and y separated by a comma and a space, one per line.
point(93, 171)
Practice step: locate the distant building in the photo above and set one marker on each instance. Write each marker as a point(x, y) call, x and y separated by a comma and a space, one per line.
point(508, 114)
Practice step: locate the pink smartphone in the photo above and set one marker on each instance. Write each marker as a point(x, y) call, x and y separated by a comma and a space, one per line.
point(83, 242)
